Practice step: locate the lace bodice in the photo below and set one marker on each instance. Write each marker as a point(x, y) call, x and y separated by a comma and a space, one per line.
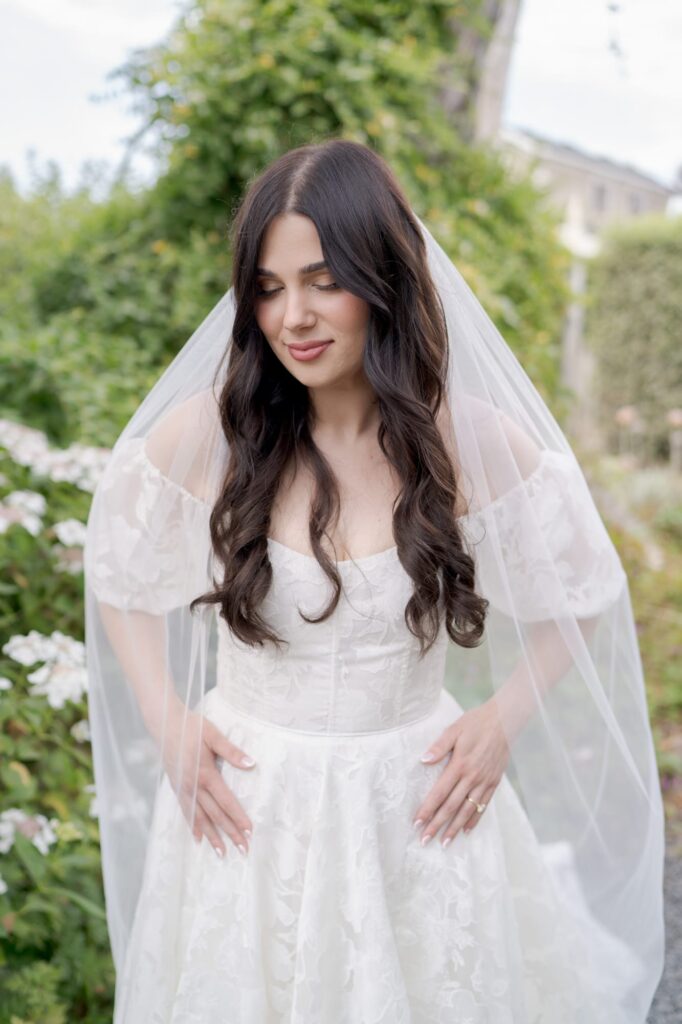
point(360, 670)
point(151, 552)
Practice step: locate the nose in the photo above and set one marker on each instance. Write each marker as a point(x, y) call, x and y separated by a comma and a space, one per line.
point(296, 313)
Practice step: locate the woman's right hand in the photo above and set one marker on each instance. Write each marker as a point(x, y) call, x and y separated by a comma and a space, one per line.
point(216, 806)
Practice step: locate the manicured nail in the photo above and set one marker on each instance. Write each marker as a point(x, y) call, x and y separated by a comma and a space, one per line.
point(248, 762)
point(425, 839)
point(218, 851)
point(418, 823)
point(446, 841)
point(247, 833)
point(242, 849)
point(428, 757)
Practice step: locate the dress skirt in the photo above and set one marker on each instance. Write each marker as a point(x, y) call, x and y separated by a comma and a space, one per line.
point(337, 914)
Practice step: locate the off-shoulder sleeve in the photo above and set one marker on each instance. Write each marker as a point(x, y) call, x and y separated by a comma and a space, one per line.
point(148, 544)
point(541, 548)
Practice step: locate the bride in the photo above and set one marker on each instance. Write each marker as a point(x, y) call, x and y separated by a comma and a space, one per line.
point(343, 494)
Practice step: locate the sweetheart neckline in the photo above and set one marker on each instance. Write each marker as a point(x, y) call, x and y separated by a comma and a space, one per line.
point(342, 561)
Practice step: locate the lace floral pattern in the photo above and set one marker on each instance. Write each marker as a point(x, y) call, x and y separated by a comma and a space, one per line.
point(151, 537)
point(545, 556)
point(332, 676)
point(338, 915)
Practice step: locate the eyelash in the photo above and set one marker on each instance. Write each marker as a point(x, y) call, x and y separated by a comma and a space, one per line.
point(273, 291)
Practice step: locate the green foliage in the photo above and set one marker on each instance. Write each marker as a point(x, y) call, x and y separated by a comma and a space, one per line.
point(34, 232)
point(124, 282)
point(669, 521)
point(238, 82)
point(98, 295)
point(31, 996)
point(635, 312)
point(67, 379)
point(55, 962)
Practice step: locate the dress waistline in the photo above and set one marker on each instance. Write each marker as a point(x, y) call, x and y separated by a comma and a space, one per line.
point(326, 734)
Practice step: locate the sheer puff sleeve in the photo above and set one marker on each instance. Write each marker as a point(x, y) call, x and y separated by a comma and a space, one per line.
point(150, 547)
point(541, 548)
point(552, 556)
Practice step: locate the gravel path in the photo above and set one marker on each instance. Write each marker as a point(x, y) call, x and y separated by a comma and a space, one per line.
point(667, 1005)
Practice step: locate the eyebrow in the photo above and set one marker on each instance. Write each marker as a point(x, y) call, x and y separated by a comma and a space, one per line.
point(309, 268)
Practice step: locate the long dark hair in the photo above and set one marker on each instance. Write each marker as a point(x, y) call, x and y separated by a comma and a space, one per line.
point(374, 249)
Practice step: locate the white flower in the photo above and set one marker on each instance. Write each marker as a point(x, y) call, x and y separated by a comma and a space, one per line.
point(71, 532)
point(79, 464)
point(3, 886)
point(91, 788)
point(68, 559)
point(59, 683)
point(28, 648)
point(81, 730)
point(8, 820)
point(36, 827)
point(30, 501)
point(5, 683)
point(23, 508)
point(63, 675)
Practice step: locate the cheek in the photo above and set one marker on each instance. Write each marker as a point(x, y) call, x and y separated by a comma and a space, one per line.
point(266, 320)
point(351, 314)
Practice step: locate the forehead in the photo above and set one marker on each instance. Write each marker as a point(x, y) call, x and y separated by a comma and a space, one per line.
point(291, 244)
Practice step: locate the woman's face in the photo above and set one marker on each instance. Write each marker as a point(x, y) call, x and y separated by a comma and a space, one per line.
point(297, 305)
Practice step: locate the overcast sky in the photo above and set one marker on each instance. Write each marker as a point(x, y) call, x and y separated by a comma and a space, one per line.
point(601, 76)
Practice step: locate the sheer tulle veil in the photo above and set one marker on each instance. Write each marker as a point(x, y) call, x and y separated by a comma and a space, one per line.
point(560, 637)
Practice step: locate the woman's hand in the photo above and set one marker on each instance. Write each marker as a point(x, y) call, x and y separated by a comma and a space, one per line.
point(479, 756)
point(216, 805)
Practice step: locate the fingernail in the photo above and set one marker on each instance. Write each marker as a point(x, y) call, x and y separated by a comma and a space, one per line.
point(425, 839)
point(248, 762)
point(242, 849)
point(218, 851)
point(428, 757)
point(418, 823)
point(247, 833)
point(446, 841)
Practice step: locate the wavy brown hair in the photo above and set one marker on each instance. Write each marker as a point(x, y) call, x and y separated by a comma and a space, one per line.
point(374, 248)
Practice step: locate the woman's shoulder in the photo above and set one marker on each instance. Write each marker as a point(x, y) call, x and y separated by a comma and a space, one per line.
point(187, 444)
point(503, 448)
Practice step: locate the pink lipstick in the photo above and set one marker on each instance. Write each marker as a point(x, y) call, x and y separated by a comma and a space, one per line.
point(308, 350)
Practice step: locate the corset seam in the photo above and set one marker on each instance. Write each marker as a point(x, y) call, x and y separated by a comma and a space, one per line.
point(314, 734)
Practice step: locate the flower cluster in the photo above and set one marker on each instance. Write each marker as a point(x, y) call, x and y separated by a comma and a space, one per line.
point(62, 676)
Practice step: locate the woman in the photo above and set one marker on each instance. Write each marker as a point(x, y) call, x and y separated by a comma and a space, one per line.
point(343, 469)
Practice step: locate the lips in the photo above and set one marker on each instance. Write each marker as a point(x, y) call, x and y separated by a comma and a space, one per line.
point(303, 346)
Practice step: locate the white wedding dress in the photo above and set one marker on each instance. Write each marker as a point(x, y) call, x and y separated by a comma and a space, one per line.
point(338, 915)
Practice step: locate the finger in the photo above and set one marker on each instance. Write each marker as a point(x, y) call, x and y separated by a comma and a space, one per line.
point(199, 821)
point(209, 829)
point(441, 747)
point(201, 826)
point(226, 801)
point(220, 820)
point(224, 748)
point(466, 817)
point(485, 799)
point(439, 792)
point(447, 809)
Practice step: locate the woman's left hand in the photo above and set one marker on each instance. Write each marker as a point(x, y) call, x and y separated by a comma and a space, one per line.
point(479, 752)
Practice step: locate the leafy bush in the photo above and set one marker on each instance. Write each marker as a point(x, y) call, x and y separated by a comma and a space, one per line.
point(55, 962)
point(633, 325)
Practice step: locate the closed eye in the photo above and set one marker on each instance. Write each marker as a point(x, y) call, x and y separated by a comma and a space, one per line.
point(273, 291)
